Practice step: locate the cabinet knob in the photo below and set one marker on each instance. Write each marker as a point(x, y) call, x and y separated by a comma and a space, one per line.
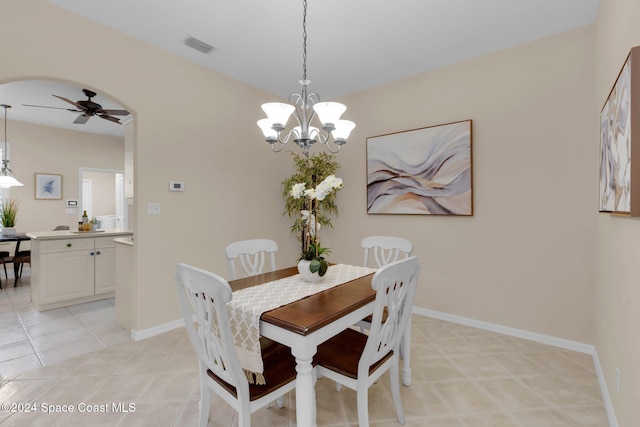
point(98, 253)
point(68, 245)
point(92, 254)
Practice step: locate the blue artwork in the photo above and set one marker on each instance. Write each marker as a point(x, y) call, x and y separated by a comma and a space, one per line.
point(48, 186)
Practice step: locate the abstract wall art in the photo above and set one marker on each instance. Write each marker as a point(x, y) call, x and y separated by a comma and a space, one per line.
point(620, 142)
point(48, 186)
point(424, 171)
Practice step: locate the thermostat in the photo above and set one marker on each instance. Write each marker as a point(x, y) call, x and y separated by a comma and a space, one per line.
point(72, 203)
point(176, 186)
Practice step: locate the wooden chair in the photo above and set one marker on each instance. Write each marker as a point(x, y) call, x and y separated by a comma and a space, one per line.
point(4, 259)
point(206, 294)
point(251, 254)
point(20, 259)
point(356, 360)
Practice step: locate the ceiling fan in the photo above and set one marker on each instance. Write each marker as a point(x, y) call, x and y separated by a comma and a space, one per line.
point(88, 108)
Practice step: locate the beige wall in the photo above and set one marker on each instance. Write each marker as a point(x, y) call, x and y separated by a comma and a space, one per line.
point(191, 125)
point(526, 259)
point(43, 149)
point(523, 260)
point(618, 238)
point(104, 192)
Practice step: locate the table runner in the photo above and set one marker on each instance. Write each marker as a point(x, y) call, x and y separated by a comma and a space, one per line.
point(248, 304)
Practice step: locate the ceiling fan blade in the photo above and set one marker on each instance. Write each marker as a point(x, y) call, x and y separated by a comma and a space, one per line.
point(55, 108)
point(115, 112)
point(107, 117)
point(81, 119)
point(70, 102)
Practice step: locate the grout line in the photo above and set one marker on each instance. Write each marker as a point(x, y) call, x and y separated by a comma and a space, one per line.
point(26, 333)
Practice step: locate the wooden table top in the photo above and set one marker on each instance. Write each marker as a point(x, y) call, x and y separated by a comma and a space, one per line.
point(315, 311)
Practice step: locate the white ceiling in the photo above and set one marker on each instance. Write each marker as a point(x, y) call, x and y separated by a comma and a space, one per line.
point(352, 44)
point(37, 92)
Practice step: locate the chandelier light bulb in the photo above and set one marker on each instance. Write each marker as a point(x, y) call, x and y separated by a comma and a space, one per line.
point(278, 113)
point(342, 130)
point(329, 113)
point(267, 129)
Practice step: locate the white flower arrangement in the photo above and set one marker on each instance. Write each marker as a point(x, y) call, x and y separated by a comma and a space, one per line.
point(311, 249)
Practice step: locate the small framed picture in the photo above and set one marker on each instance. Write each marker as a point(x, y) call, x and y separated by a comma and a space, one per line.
point(48, 186)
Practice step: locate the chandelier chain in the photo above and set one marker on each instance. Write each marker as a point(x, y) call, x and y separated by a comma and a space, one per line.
point(304, 41)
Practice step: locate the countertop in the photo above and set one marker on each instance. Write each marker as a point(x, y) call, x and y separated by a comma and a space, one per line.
point(70, 234)
point(125, 240)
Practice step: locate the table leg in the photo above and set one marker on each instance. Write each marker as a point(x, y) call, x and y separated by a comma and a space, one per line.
point(305, 394)
point(406, 355)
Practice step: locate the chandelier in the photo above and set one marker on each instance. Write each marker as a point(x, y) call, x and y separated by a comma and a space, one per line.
point(7, 178)
point(304, 107)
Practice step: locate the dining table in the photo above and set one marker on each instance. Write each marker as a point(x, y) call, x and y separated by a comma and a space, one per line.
point(304, 324)
point(18, 238)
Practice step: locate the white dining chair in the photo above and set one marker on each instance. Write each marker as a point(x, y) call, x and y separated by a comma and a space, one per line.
point(357, 360)
point(385, 249)
point(252, 255)
point(205, 294)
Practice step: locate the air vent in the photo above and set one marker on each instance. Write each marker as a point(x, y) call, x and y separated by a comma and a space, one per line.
point(198, 45)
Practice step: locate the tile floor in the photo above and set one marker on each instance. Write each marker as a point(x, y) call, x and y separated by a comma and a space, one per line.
point(462, 377)
point(30, 339)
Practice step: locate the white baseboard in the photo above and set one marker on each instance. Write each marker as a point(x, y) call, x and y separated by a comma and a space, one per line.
point(139, 335)
point(506, 330)
point(536, 337)
point(608, 404)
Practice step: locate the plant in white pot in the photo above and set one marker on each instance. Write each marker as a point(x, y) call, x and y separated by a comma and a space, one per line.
point(312, 265)
point(8, 215)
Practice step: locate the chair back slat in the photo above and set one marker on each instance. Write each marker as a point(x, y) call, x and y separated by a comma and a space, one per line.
point(205, 294)
point(395, 285)
point(386, 249)
point(252, 255)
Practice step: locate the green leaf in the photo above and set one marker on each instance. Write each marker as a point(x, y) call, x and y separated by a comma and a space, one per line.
point(324, 265)
point(315, 265)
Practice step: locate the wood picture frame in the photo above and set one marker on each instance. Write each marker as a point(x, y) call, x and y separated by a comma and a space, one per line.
point(425, 171)
point(619, 169)
point(48, 186)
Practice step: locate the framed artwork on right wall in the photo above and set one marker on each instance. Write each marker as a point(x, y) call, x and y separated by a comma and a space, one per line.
point(619, 173)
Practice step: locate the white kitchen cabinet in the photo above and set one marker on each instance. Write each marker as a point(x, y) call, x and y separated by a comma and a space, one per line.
point(72, 270)
point(105, 265)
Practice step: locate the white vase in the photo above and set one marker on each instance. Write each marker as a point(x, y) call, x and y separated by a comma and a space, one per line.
point(305, 272)
point(8, 231)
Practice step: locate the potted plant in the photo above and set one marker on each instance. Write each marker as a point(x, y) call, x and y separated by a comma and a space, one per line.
point(8, 215)
point(311, 264)
point(309, 171)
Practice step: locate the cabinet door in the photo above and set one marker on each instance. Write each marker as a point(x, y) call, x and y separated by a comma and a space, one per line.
point(105, 270)
point(66, 275)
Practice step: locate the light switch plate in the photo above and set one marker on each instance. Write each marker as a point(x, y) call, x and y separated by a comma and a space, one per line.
point(153, 208)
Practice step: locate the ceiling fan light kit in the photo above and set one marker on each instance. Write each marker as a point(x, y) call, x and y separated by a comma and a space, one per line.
point(7, 177)
point(87, 108)
point(305, 107)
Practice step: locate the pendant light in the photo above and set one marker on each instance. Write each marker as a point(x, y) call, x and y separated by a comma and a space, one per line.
point(305, 107)
point(7, 178)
